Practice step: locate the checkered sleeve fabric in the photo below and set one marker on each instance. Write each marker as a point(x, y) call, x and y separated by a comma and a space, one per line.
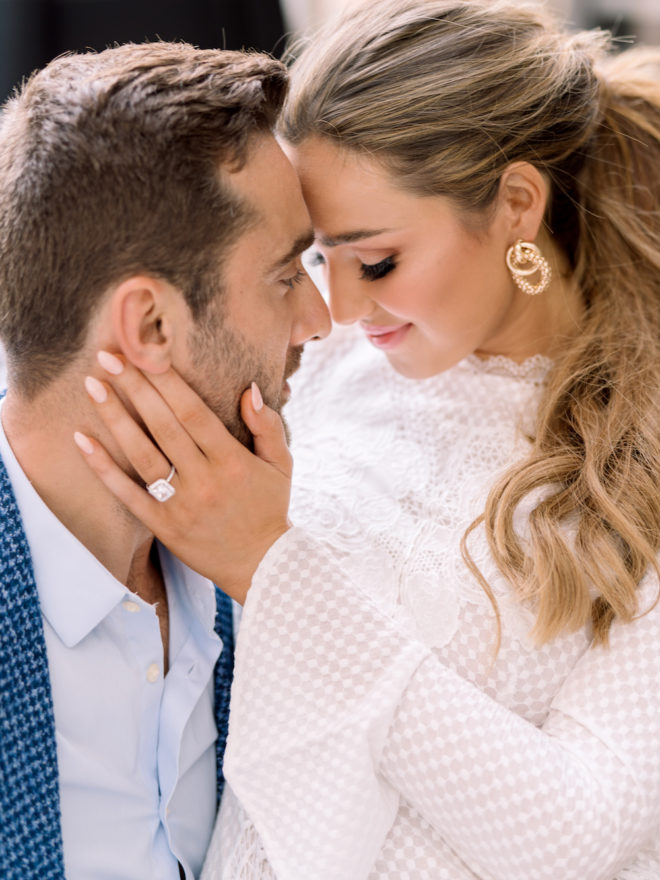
point(319, 672)
point(575, 799)
point(340, 719)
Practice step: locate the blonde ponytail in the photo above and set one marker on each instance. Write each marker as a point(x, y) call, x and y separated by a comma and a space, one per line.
point(598, 430)
point(446, 95)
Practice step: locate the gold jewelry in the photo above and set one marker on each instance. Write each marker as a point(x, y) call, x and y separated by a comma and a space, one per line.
point(524, 258)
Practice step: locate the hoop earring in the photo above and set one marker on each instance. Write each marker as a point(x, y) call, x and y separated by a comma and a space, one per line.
point(524, 258)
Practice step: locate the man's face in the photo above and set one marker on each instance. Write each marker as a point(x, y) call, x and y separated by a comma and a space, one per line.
point(268, 308)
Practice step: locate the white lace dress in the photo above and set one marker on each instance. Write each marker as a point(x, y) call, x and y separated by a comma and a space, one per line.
point(372, 734)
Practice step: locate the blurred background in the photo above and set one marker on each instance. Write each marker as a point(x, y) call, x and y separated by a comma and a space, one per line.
point(638, 18)
point(34, 31)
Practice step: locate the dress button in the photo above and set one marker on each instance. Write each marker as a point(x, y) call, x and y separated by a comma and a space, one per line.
point(153, 672)
point(131, 606)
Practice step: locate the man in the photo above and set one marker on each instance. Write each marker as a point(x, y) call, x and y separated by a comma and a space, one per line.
point(145, 209)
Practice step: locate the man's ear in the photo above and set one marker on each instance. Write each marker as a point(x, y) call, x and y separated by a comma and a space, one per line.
point(143, 321)
point(523, 196)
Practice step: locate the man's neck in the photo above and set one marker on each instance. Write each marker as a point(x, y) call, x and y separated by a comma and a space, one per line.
point(40, 433)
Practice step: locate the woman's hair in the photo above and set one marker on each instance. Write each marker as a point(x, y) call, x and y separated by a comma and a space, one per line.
point(445, 95)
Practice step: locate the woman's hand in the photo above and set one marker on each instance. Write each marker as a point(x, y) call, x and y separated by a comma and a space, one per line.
point(230, 505)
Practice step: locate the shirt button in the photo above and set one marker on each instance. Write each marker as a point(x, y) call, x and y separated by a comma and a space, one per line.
point(131, 606)
point(153, 672)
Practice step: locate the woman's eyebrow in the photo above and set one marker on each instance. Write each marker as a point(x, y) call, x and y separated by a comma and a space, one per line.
point(348, 237)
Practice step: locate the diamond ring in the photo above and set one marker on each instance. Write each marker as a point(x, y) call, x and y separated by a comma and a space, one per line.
point(162, 489)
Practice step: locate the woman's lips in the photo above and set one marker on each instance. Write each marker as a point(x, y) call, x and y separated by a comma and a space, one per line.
point(386, 337)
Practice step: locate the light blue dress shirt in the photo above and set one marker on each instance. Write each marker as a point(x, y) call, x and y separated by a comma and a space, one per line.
point(135, 750)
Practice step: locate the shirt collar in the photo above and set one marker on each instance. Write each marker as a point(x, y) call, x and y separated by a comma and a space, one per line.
point(76, 592)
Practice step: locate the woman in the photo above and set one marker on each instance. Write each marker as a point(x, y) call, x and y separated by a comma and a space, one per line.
point(449, 669)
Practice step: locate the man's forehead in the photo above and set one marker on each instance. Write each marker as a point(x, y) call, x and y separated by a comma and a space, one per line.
point(269, 242)
point(267, 185)
point(265, 172)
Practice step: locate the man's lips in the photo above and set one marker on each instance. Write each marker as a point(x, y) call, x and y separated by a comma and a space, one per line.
point(386, 336)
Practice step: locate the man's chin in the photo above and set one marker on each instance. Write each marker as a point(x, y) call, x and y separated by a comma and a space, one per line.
point(282, 401)
point(233, 421)
point(242, 433)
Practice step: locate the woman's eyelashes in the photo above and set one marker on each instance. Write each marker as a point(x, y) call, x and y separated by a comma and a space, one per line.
point(375, 271)
point(368, 271)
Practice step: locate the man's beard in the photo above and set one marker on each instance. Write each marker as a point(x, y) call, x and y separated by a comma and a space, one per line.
point(225, 365)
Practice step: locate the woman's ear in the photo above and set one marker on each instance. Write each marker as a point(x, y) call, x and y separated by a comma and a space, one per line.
point(523, 196)
point(143, 322)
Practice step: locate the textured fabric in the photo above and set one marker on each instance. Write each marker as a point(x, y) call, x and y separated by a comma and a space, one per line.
point(125, 735)
point(30, 836)
point(373, 734)
point(30, 829)
point(224, 670)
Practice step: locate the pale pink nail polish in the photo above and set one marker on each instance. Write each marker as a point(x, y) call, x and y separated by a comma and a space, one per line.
point(95, 389)
point(257, 399)
point(109, 362)
point(83, 442)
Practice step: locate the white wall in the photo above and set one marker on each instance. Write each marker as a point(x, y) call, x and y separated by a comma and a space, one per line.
point(303, 14)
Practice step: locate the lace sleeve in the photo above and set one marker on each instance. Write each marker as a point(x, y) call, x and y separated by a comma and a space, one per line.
point(337, 715)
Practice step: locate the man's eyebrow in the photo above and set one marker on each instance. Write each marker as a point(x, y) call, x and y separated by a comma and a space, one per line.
point(348, 237)
point(300, 244)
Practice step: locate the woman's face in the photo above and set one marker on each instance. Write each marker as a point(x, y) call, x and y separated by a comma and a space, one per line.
point(426, 290)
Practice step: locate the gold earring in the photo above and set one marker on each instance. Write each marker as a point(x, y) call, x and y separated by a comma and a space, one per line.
point(524, 258)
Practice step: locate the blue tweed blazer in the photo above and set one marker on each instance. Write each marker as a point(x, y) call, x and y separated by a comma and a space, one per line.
point(30, 832)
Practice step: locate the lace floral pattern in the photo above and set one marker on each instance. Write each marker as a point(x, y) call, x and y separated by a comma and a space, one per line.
point(533, 369)
point(405, 468)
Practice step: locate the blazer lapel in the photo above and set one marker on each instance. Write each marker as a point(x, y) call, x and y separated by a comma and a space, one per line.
point(224, 670)
point(30, 832)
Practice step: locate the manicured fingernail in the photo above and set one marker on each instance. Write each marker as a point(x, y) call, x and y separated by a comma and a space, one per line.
point(109, 362)
point(83, 442)
point(257, 399)
point(95, 389)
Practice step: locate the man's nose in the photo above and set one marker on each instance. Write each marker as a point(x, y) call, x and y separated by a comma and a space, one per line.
point(312, 318)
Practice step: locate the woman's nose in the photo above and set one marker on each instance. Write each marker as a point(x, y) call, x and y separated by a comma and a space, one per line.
point(347, 300)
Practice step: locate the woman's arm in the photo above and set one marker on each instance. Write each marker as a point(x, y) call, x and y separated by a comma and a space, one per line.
point(337, 714)
point(363, 715)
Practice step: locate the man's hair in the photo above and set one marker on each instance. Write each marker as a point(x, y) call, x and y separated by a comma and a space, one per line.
point(109, 167)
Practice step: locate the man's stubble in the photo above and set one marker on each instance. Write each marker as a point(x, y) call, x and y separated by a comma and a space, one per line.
point(225, 363)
